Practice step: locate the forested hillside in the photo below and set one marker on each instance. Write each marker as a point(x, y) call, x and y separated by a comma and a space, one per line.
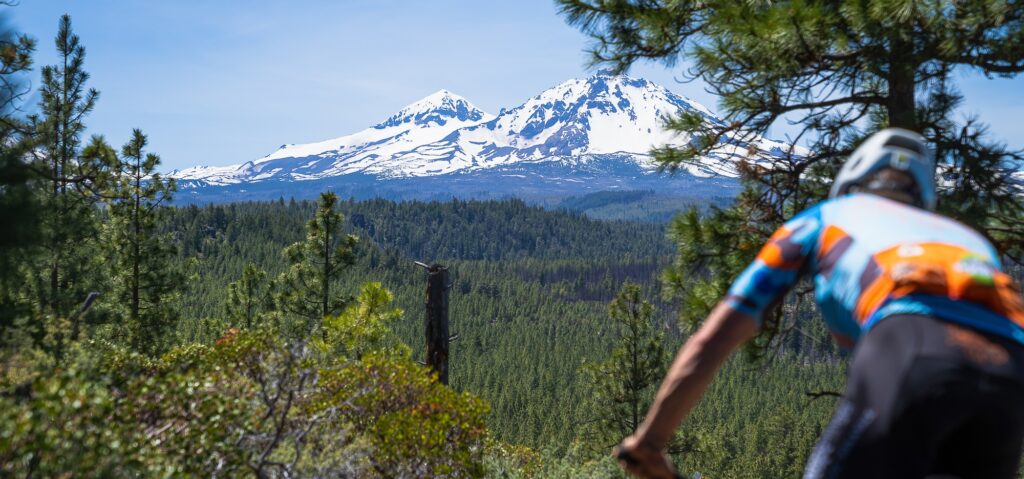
point(530, 304)
point(636, 205)
point(529, 294)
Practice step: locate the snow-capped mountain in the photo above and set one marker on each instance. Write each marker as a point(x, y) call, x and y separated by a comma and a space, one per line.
point(595, 132)
point(373, 150)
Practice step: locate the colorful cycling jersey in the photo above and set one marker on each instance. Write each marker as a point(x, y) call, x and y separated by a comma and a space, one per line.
point(871, 258)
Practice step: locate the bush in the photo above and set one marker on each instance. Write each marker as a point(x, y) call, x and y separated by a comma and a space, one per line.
point(253, 404)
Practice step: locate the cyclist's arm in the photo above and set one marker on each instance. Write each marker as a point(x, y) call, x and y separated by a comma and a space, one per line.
point(695, 365)
point(735, 320)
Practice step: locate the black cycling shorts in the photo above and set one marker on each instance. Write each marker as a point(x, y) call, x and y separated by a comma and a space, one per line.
point(926, 398)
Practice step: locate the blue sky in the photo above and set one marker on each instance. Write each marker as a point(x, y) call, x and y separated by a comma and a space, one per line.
point(215, 82)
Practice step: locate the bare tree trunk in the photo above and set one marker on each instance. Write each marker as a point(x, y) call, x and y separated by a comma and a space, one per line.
point(437, 321)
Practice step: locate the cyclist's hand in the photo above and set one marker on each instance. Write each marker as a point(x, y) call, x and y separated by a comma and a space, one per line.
point(643, 460)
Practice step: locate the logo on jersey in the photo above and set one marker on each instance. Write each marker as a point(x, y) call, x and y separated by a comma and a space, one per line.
point(979, 270)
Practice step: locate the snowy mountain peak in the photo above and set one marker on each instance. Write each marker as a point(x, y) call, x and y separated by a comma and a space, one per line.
point(436, 109)
point(602, 122)
point(600, 114)
point(441, 96)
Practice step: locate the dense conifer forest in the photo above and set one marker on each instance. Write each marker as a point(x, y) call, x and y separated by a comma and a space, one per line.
point(529, 301)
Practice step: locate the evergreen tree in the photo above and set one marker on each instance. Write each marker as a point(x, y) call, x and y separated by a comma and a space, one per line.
point(624, 384)
point(19, 208)
point(249, 298)
point(315, 266)
point(364, 327)
point(68, 268)
point(841, 70)
point(145, 266)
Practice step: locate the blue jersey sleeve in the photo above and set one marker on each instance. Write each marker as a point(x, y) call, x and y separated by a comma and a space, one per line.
point(777, 267)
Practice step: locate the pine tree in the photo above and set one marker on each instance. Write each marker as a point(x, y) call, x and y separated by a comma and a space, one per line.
point(145, 266)
point(363, 327)
point(249, 298)
point(840, 70)
point(624, 385)
point(309, 286)
point(68, 268)
point(19, 208)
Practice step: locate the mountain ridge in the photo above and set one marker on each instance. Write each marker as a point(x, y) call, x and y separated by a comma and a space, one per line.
point(595, 132)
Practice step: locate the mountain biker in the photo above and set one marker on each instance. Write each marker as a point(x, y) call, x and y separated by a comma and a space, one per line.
point(936, 381)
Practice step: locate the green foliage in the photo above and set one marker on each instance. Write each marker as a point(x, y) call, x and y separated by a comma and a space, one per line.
point(363, 327)
point(65, 425)
point(760, 422)
point(68, 267)
point(77, 248)
point(249, 299)
point(711, 251)
point(839, 70)
point(82, 394)
point(624, 384)
point(19, 206)
point(144, 267)
point(525, 326)
point(251, 405)
point(525, 323)
point(647, 206)
point(309, 285)
point(64, 99)
point(418, 427)
point(603, 198)
point(573, 462)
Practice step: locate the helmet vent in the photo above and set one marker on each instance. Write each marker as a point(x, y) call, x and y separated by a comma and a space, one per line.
point(906, 143)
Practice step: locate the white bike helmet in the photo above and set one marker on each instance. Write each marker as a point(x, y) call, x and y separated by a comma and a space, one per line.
point(895, 148)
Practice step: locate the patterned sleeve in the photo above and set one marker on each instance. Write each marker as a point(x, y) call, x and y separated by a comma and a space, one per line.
point(777, 267)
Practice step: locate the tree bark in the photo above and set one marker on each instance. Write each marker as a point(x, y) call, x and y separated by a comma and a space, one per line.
point(437, 321)
point(902, 68)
